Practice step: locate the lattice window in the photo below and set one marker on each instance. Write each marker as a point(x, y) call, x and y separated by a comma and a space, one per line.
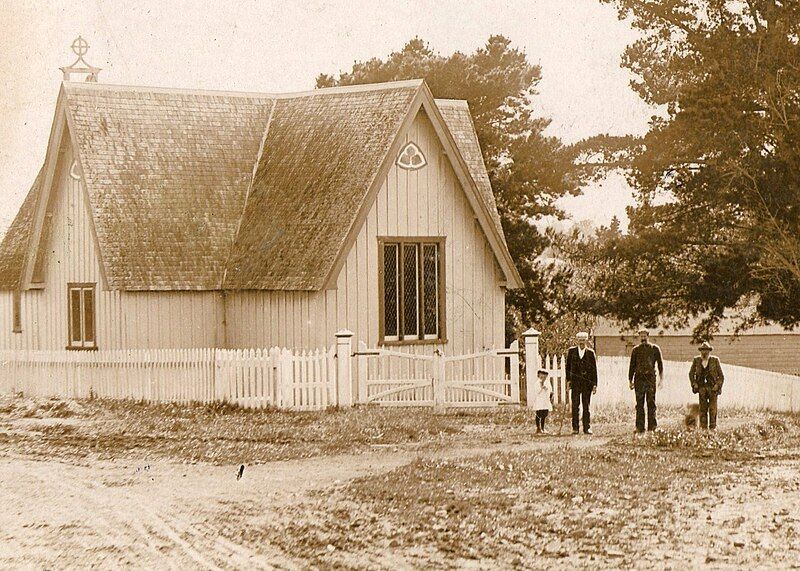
point(80, 299)
point(430, 289)
point(17, 317)
point(411, 158)
point(412, 290)
point(391, 293)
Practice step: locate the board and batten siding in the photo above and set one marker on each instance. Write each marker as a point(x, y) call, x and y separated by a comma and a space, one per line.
point(425, 202)
point(124, 320)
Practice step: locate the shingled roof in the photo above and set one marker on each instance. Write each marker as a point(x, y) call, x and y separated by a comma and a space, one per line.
point(167, 173)
point(15, 244)
point(459, 120)
point(321, 154)
point(201, 190)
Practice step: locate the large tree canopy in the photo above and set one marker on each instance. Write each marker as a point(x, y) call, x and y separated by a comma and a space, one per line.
point(717, 221)
point(528, 170)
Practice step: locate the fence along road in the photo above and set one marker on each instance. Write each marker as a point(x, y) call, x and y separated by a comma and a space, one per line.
point(744, 387)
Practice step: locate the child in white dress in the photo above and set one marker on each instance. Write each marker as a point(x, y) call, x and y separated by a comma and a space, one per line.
point(543, 400)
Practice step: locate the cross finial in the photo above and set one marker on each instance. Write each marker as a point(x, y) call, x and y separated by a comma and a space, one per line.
point(81, 47)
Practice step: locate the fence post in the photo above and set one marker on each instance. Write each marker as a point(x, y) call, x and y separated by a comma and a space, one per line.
point(344, 368)
point(514, 370)
point(438, 381)
point(531, 337)
point(363, 365)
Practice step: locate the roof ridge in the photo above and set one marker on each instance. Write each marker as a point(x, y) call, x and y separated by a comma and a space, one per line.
point(452, 102)
point(72, 86)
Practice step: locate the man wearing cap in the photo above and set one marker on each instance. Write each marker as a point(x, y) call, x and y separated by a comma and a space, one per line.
point(706, 379)
point(581, 373)
point(645, 357)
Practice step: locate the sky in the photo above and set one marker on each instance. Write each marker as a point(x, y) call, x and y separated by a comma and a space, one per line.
point(270, 46)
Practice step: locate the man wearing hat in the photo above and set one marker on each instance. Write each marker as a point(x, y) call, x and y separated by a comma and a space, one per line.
point(581, 373)
point(706, 378)
point(645, 357)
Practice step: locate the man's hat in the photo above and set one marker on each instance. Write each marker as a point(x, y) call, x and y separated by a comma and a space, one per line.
point(582, 335)
point(706, 346)
point(541, 371)
point(643, 330)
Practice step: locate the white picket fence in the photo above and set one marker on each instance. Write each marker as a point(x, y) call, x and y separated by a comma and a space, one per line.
point(314, 380)
point(253, 378)
point(744, 387)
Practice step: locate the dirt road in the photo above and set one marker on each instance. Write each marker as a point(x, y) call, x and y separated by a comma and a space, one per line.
point(118, 513)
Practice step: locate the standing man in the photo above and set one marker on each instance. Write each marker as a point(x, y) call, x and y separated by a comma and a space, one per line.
point(581, 380)
point(645, 357)
point(706, 378)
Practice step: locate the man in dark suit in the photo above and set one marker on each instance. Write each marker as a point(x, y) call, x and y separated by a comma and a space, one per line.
point(581, 381)
point(706, 379)
point(645, 358)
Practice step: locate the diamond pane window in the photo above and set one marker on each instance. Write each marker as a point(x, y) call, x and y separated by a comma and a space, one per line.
point(410, 290)
point(430, 281)
point(391, 298)
point(411, 281)
point(411, 157)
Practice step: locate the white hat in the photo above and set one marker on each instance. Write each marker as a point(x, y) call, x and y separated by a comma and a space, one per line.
point(582, 335)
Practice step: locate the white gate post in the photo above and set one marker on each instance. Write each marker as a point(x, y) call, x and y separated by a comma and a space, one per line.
point(514, 370)
point(344, 369)
point(532, 362)
point(438, 381)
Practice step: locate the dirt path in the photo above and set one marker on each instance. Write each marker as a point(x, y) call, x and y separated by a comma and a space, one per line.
point(118, 513)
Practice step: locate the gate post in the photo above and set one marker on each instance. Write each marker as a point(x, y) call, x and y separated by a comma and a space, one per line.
point(344, 369)
point(514, 370)
point(532, 363)
point(438, 381)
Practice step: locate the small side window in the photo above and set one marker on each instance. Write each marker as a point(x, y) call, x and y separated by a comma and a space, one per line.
point(81, 316)
point(17, 322)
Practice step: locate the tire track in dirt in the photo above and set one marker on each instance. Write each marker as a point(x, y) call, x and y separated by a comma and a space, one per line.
point(162, 522)
point(174, 515)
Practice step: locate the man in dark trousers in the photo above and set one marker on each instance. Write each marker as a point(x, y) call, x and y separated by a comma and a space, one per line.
point(645, 357)
point(706, 379)
point(581, 380)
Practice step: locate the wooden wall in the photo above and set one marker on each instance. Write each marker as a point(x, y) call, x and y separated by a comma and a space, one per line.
point(777, 352)
point(426, 202)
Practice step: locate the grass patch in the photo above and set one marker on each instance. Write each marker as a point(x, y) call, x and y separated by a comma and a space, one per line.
point(223, 433)
point(605, 506)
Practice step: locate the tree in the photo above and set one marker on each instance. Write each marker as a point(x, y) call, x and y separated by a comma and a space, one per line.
point(528, 170)
point(716, 227)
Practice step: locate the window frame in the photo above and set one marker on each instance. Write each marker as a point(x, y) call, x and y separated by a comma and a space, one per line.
point(83, 344)
point(16, 317)
point(420, 338)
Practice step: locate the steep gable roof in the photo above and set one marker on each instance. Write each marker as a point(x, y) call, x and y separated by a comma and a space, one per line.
point(321, 154)
point(166, 173)
point(459, 121)
point(16, 241)
point(201, 190)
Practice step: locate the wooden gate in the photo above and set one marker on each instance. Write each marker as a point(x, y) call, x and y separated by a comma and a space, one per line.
point(485, 378)
point(393, 378)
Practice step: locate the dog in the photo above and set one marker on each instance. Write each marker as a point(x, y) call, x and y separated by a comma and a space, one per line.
point(691, 415)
